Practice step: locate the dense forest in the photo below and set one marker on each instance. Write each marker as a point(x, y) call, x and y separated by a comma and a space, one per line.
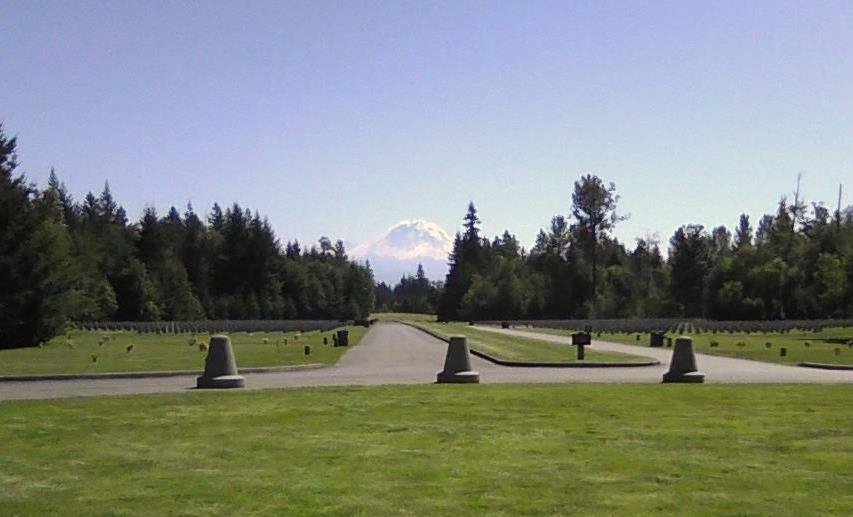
point(797, 263)
point(63, 260)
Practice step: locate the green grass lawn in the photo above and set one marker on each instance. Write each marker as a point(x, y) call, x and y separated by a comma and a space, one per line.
point(435, 450)
point(513, 348)
point(801, 346)
point(166, 352)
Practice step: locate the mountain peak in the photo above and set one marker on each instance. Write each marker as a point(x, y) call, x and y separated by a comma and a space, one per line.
point(409, 239)
point(400, 249)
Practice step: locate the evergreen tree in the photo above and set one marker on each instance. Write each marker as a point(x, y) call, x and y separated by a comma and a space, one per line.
point(217, 220)
point(743, 234)
point(594, 210)
point(465, 260)
point(196, 254)
point(689, 256)
point(35, 258)
point(136, 295)
point(384, 297)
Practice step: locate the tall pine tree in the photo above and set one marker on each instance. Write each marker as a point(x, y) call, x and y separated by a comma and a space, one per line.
point(35, 258)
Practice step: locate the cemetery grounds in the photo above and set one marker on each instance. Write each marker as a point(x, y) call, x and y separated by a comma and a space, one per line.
point(421, 450)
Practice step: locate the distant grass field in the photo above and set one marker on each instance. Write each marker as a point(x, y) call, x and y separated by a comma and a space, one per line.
point(435, 450)
point(166, 352)
point(801, 346)
point(512, 348)
point(406, 316)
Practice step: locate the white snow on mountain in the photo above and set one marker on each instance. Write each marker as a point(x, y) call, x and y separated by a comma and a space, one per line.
point(400, 249)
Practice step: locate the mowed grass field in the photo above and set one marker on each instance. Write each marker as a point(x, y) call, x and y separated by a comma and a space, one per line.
point(106, 352)
point(513, 348)
point(435, 450)
point(800, 346)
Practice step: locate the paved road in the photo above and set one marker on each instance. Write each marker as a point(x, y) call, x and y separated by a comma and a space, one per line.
point(388, 354)
point(398, 354)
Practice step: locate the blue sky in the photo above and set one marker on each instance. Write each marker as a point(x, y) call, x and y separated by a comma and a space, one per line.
point(341, 118)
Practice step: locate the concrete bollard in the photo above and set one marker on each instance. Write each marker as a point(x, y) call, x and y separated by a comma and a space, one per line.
point(457, 363)
point(220, 368)
point(682, 366)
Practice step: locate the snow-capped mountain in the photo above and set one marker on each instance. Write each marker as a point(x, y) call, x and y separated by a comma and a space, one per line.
point(399, 250)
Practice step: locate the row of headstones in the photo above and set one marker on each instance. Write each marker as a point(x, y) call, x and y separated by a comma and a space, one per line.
point(630, 326)
point(213, 326)
point(657, 339)
point(781, 326)
point(627, 326)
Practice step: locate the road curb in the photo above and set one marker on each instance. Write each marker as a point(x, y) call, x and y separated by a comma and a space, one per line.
point(150, 375)
point(825, 366)
point(517, 364)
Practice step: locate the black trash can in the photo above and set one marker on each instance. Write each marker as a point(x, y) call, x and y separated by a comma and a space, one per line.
point(343, 338)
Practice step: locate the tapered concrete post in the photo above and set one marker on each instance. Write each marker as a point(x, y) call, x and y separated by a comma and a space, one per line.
point(457, 363)
point(220, 368)
point(682, 366)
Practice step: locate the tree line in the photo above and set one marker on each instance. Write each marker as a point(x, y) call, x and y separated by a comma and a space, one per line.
point(797, 263)
point(62, 260)
point(412, 294)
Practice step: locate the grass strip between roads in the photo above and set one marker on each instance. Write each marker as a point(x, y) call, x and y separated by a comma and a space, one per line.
point(799, 346)
point(521, 349)
point(434, 450)
point(87, 352)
